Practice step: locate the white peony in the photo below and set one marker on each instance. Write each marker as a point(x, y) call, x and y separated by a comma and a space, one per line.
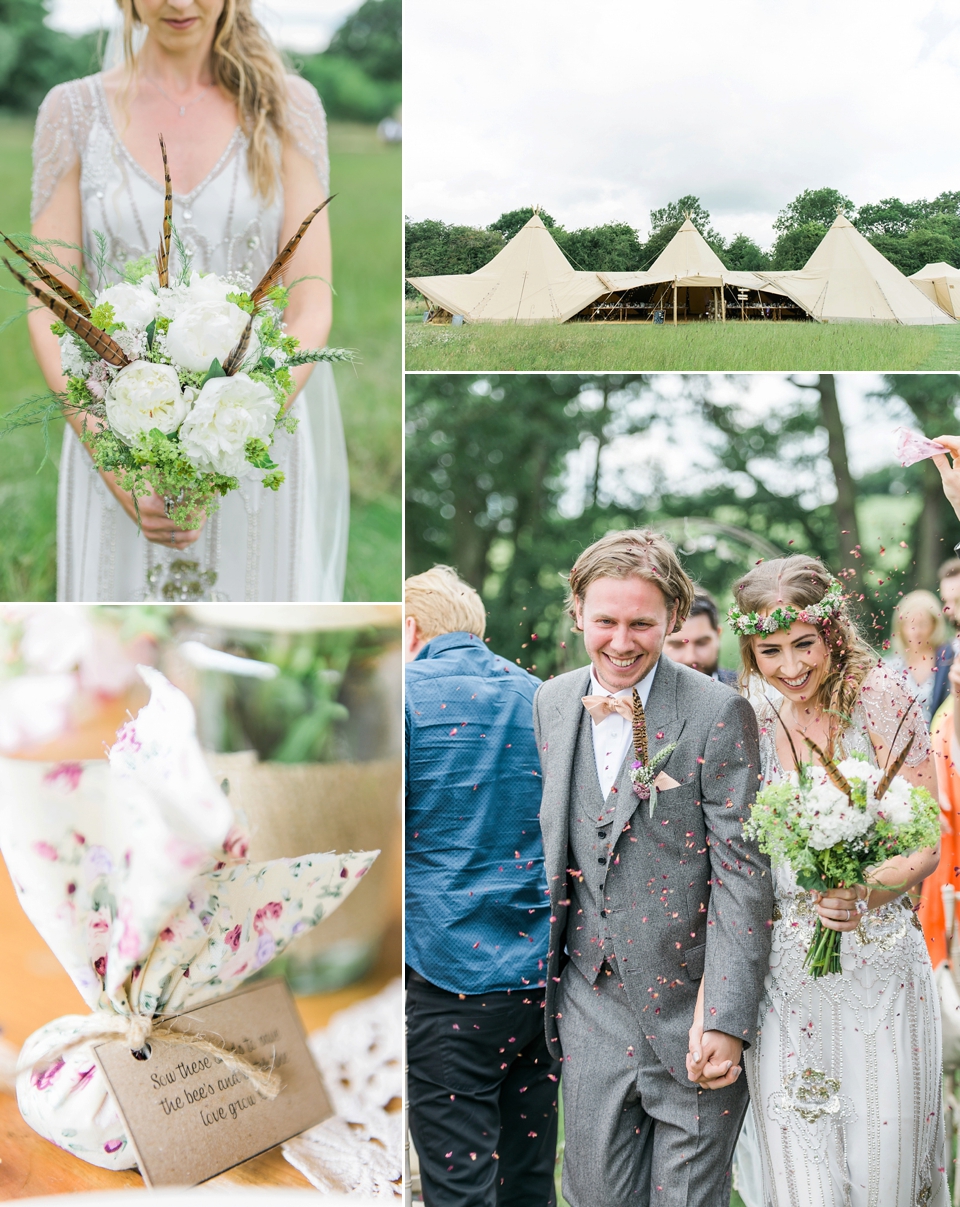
point(204, 331)
point(209, 288)
point(144, 396)
point(832, 818)
point(133, 305)
point(229, 412)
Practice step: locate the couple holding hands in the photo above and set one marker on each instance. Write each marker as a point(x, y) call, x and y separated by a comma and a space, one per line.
point(672, 980)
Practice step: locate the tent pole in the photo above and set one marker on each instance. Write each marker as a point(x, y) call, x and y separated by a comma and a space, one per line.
point(723, 303)
point(674, 303)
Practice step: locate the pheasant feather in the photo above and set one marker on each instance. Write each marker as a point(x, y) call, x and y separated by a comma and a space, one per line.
point(235, 359)
point(273, 274)
point(830, 767)
point(163, 252)
point(106, 348)
point(54, 284)
point(894, 767)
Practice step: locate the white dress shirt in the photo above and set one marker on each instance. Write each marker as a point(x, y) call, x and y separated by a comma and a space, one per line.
point(613, 737)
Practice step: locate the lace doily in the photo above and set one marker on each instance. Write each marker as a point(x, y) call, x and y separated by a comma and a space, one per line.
point(358, 1150)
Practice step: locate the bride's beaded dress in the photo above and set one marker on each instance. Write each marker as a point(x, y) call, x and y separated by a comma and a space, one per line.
point(845, 1075)
point(261, 544)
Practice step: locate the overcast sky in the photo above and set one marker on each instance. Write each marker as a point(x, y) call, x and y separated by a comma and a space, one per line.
point(304, 25)
point(602, 111)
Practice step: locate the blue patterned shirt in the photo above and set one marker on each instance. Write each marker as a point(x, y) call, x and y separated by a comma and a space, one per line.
point(477, 912)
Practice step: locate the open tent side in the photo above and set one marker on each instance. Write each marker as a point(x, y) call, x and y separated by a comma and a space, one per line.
point(941, 284)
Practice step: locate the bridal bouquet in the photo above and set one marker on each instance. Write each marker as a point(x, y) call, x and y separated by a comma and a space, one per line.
point(833, 823)
point(182, 381)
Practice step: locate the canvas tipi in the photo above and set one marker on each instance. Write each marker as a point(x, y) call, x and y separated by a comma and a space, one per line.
point(529, 281)
point(941, 284)
point(847, 280)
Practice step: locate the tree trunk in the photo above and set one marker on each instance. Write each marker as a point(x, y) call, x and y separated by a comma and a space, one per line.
point(931, 552)
point(844, 510)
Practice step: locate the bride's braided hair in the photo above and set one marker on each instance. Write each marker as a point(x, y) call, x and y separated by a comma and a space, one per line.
point(248, 67)
point(804, 581)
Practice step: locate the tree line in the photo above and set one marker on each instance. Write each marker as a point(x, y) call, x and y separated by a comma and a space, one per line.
point(909, 233)
point(357, 76)
point(508, 479)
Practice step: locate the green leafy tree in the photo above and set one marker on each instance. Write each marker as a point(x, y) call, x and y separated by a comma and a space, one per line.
point(33, 57)
point(435, 249)
point(795, 247)
point(910, 252)
point(613, 247)
point(818, 206)
point(744, 255)
point(371, 38)
point(347, 92)
point(889, 217)
point(513, 221)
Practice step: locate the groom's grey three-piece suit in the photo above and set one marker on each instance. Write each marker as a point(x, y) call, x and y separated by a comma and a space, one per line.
point(642, 908)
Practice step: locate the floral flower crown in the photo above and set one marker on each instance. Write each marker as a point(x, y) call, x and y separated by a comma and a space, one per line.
point(747, 624)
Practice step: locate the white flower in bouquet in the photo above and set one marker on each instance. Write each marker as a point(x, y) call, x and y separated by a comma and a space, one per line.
point(897, 803)
point(228, 412)
point(203, 331)
point(833, 817)
point(133, 305)
point(210, 288)
point(72, 362)
point(144, 396)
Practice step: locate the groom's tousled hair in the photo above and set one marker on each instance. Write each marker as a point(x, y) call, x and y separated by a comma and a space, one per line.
point(441, 602)
point(633, 553)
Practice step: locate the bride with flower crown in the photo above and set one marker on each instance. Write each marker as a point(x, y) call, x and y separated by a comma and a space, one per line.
point(845, 1075)
point(248, 159)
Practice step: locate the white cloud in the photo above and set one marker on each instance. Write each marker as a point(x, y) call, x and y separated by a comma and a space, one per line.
point(602, 112)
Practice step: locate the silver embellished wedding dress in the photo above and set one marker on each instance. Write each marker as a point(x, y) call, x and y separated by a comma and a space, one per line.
point(260, 544)
point(845, 1075)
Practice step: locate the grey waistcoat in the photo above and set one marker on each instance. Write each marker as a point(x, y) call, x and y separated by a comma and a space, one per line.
point(589, 938)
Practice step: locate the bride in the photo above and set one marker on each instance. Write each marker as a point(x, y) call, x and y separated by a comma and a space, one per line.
point(248, 159)
point(845, 1076)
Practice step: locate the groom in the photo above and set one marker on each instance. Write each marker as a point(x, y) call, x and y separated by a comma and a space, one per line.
point(651, 893)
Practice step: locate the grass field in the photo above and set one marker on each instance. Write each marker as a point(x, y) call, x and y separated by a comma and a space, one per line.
point(365, 222)
point(733, 347)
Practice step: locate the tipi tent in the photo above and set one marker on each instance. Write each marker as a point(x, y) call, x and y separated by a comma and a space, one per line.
point(941, 284)
point(687, 262)
point(847, 280)
point(529, 281)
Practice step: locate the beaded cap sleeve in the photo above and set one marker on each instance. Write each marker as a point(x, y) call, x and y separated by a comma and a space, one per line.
point(308, 126)
point(63, 127)
point(891, 712)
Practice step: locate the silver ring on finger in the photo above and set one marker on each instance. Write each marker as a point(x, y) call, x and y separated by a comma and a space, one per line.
point(173, 539)
point(847, 912)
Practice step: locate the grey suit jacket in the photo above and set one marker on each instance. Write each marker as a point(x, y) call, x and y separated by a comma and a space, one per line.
point(691, 897)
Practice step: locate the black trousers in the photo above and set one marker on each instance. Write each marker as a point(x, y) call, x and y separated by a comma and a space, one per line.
point(482, 1097)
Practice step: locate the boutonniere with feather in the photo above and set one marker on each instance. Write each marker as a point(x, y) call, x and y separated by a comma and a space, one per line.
point(644, 770)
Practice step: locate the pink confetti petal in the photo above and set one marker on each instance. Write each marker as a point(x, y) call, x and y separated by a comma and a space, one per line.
point(912, 447)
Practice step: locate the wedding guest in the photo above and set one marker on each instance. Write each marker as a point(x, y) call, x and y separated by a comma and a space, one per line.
point(949, 576)
point(697, 643)
point(482, 1086)
point(918, 635)
point(945, 742)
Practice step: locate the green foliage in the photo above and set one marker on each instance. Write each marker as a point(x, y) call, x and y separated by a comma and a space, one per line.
point(346, 90)
point(813, 205)
point(510, 223)
point(33, 57)
point(744, 255)
point(674, 213)
point(435, 248)
point(371, 38)
point(795, 246)
point(613, 247)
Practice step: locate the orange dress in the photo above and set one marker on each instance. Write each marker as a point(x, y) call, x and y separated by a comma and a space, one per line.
point(948, 871)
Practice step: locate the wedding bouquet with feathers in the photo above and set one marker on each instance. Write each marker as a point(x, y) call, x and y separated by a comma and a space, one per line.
point(182, 380)
point(835, 822)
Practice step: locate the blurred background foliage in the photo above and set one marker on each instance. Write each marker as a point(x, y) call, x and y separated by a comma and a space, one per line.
point(510, 476)
point(358, 75)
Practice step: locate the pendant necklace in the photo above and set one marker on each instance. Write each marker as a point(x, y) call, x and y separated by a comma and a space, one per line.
point(183, 108)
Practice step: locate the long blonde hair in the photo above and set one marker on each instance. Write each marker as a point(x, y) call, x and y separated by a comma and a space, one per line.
point(249, 68)
point(803, 581)
point(926, 604)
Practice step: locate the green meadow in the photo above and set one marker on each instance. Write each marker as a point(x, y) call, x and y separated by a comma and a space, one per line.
point(690, 347)
point(365, 224)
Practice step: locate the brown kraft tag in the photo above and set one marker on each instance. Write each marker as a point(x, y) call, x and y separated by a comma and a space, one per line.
point(188, 1116)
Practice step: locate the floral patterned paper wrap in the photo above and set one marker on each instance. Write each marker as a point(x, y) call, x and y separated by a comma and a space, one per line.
point(134, 873)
